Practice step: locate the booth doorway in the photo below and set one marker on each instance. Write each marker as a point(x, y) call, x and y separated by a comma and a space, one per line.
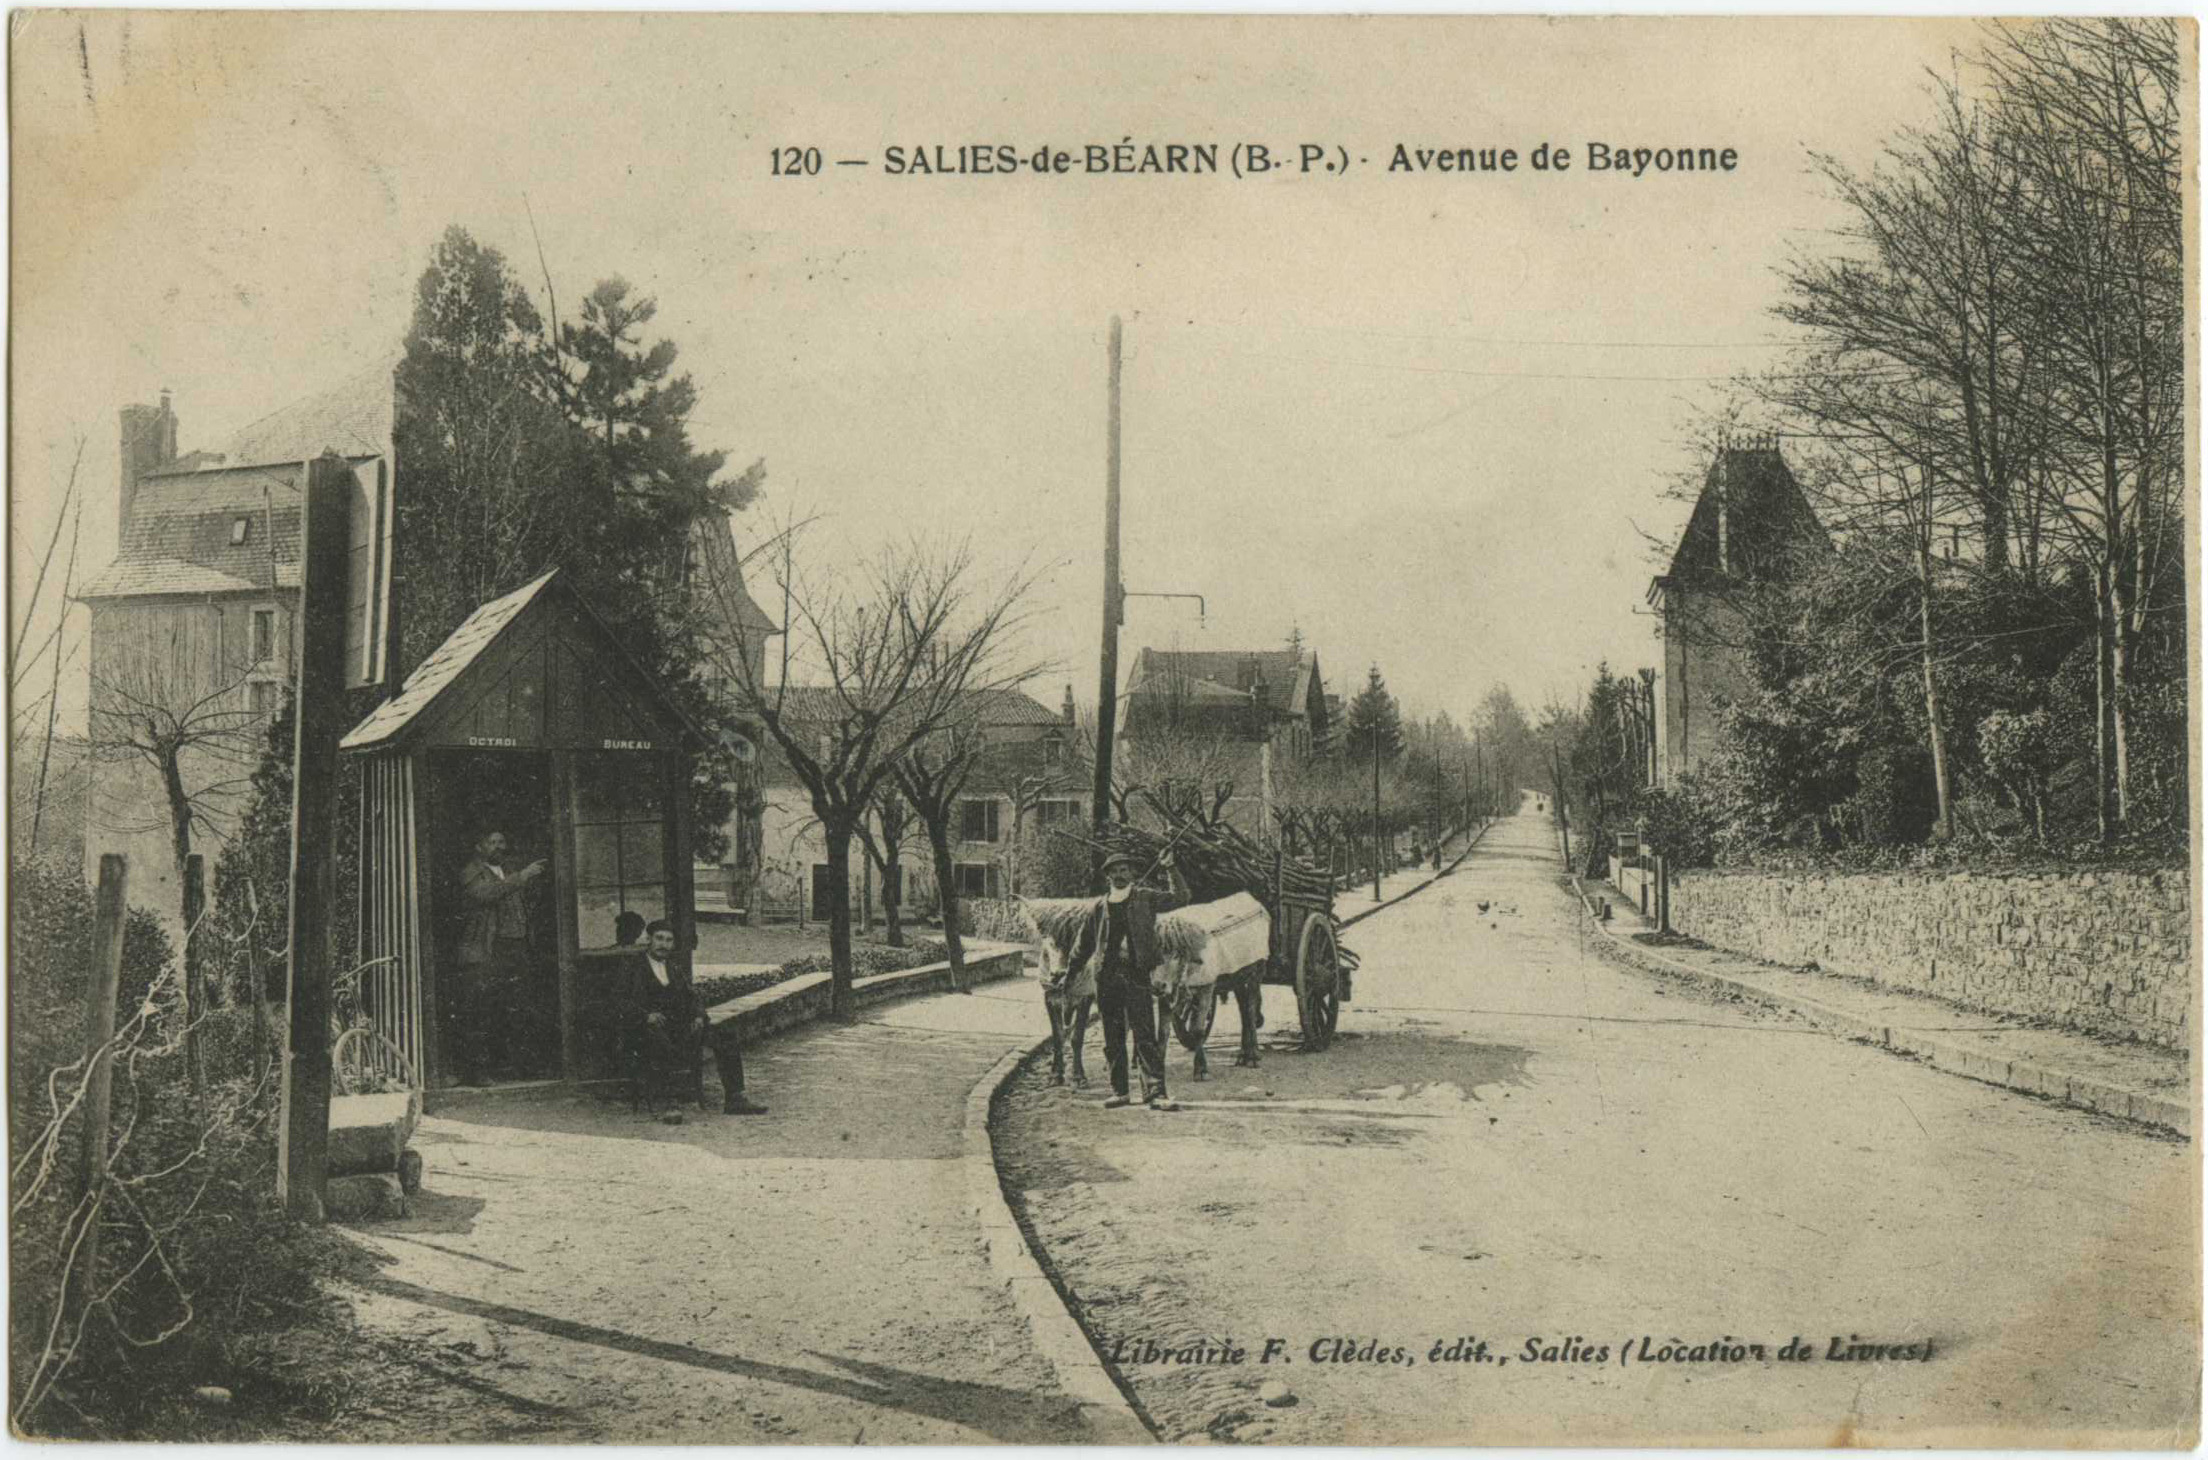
point(478, 792)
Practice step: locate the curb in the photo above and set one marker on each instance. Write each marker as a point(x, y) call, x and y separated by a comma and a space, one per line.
point(1455, 863)
point(1065, 1346)
point(2115, 1101)
point(1082, 1372)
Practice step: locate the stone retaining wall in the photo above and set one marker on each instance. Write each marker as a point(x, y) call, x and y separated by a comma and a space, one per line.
point(804, 999)
point(2101, 952)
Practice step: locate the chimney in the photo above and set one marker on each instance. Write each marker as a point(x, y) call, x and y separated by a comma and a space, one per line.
point(148, 445)
point(1065, 707)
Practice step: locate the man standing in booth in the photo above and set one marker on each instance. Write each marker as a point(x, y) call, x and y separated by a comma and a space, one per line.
point(494, 954)
point(670, 1027)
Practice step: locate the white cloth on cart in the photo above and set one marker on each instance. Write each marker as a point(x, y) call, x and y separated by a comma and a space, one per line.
point(1237, 933)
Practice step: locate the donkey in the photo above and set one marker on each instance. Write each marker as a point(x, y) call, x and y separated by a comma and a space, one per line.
point(1069, 999)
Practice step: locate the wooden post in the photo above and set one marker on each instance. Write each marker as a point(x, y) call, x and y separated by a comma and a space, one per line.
point(566, 933)
point(1107, 689)
point(1663, 894)
point(304, 1134)
point(110, 906)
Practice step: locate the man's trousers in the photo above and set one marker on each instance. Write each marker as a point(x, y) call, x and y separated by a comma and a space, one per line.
point(1126, 1003)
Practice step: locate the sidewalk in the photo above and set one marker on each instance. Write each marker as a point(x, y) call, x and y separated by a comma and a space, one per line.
point(2129, 1081)
point(815, 1274)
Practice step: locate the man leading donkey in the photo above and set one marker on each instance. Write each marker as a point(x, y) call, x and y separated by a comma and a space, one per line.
point(1118, 946)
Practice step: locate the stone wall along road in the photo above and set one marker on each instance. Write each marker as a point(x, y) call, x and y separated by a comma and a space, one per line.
point(2100, 952)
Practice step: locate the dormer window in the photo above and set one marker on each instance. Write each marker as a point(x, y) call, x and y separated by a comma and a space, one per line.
point(240, 529)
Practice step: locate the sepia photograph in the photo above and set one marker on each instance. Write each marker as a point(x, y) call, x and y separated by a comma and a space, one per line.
point(770, 729)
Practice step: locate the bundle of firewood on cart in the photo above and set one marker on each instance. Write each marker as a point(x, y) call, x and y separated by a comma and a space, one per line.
point(1221, 867)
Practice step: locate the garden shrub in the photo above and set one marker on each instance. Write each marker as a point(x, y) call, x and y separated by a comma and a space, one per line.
point(206, 1269)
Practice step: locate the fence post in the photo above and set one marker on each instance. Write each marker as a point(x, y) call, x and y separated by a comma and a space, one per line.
point(109, 908)
point(1663, 894)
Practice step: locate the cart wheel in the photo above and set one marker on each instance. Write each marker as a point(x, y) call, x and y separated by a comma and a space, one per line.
point(1193, 1013)
point(1318, 983)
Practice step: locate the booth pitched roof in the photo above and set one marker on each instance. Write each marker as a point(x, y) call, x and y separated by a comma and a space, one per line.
point(434, 675)
point(437, 675)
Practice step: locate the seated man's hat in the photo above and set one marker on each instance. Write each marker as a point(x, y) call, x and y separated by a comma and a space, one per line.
point(1128, 860)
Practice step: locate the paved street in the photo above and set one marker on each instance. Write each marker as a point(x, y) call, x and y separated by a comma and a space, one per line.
point(1519, 1137)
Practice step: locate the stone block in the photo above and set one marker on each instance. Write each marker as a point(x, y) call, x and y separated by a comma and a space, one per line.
point(369, 1132)
point(365, 1198)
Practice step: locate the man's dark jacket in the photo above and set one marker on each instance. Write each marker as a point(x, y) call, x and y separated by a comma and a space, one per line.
point(1142, 935)
point(643, 995)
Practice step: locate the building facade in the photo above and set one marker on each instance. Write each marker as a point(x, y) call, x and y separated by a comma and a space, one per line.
point(1751, 525)
point(1029, 779)
point(1205, 721)
point(191, 642)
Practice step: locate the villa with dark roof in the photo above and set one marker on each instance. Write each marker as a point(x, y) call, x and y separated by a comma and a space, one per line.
point(1750, 525)
point(1249, 707)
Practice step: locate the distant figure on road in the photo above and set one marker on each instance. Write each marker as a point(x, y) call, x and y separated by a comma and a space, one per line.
point(1119, 945)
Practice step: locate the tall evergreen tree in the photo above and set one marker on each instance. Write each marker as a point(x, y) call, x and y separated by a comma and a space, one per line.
point(1373, 713)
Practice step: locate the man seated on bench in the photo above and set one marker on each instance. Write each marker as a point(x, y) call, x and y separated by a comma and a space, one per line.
point(670, 1027)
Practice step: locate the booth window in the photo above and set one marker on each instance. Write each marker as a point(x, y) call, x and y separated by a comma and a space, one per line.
point(620, 854)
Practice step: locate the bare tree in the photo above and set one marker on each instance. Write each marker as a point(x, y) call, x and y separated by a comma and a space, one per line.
point(899, 646)
point(54, 645)
point(169, 694)
point(2094, 115)
point(932, 775)
point(886, 833)
point(1027, 794)
point(1928, 293)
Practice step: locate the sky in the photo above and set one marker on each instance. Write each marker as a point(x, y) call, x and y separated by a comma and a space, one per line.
point(1426, 420)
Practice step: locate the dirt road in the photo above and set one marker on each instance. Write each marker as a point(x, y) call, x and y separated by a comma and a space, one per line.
point(1518, 1140)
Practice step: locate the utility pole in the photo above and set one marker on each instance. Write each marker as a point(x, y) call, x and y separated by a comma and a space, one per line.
point(1563, 818)
point(1107, 687)
point(1376, 810)
point(303, 1134)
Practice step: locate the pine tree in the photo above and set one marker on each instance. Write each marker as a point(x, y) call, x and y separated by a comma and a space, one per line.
point(1373, 712)
point(520, 455)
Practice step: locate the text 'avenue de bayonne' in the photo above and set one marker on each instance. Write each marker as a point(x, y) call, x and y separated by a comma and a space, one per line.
point(1130, 158)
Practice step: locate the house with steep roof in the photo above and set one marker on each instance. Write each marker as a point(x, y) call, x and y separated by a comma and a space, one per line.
point(1228, 714)
point(192, 623)
point(1751, 525)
